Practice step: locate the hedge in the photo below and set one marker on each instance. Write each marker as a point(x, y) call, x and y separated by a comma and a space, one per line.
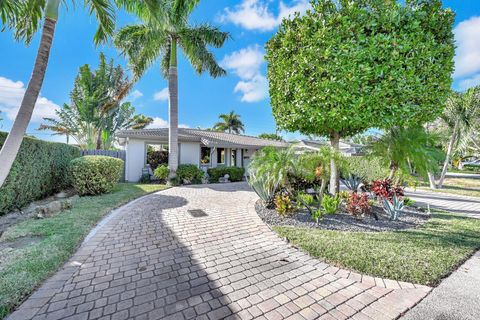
point(235, 173)
point(368, 168)
point(189, 173)
point(40, 170)
point(93, 175)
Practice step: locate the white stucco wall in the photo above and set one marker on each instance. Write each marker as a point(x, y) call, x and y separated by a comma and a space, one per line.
point(135, 159)
point(190, 153)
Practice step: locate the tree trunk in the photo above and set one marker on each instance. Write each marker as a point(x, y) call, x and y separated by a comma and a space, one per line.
point(334, 177)
point(9, 151)
point(431, 180)
point(173, 111)
point(393, 170)
point(99, 140)
point(451, 144)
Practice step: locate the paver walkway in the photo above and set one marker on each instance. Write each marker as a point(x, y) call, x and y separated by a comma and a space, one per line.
point(469, 206)
point(153, 260)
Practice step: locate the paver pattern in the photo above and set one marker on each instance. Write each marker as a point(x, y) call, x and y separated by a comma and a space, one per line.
point(153, 260)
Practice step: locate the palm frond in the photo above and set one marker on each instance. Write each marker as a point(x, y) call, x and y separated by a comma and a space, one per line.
point(105, 14)
point(142, 45)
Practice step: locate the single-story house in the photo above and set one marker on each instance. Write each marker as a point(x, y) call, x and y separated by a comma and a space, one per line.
point(346, 148)
point(204, 148)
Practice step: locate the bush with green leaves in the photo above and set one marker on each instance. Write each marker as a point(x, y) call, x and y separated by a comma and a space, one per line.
point(367, 168)
point(94, 175)
point(189, 173)
point(40, 169)
point(161, 172)
point(304, 199)
point(330, 204)
point(473, 168)
point(235, 173)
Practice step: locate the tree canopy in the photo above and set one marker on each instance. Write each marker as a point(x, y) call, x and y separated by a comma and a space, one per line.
point(346, 66)
point(230, 122)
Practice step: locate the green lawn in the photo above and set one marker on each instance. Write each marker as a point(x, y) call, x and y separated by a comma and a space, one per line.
point(460, 186)
point(424, 255)
point(25, 269)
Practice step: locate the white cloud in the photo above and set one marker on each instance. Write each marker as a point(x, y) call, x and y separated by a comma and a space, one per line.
point(470, 82)
point(135, 95)
point(246, 64)
point(256, 14)
point(11, 95)
point(253, 90)
point(162, 123)
point(467, 37)
point(161, 95)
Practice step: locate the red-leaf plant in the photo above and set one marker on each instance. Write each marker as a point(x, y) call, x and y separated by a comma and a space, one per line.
point(358, 204)
point(386, 189)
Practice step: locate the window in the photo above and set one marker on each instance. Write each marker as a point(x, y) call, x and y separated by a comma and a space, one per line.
point(233, 161)
point(205, 155)
point(220, 155)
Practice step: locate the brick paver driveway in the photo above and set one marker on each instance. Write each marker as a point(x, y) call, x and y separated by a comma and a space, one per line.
point(154, 260)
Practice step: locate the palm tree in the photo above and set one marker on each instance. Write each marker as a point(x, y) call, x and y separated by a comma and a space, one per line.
point(27, 17)
point(231, 123)
point(408, 149)
point(96, 112)
point(460, 115)
point(165, 27)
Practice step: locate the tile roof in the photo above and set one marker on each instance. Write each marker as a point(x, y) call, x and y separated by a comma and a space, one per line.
point(208, 138)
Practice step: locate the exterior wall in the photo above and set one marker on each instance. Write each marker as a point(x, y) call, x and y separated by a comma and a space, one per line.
point(190, 153)
point(136, 154)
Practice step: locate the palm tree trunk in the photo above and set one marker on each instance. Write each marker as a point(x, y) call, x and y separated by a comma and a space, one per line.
point(393, 170)
point(173, 111)
point(451, 144)
point(431, 180)
point(334, 187)
point(9, 151)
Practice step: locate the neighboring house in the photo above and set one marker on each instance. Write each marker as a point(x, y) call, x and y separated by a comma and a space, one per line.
point(346, 148)
point(200, 147)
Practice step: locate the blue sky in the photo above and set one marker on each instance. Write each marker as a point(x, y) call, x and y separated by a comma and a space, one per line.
point(250, 22)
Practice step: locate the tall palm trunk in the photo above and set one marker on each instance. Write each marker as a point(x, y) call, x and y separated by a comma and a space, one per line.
point(9, 151)
point(173, 111)
point(431, 180)
point(393, 170)
point(451, 145)
point(334, 187)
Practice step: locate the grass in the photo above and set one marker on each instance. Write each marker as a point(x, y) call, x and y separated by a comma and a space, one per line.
point(25, 269)
point(424, 255)
point(459, 186)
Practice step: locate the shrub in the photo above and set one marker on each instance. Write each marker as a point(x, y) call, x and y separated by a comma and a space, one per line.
point(145, 178)
point(469, 167)
point(157, 158)
point(284, 205)
point(408, 202)
point(386, 189)
point(235, 173)
point(367, 168)
point(40, 170)
point(161, 172)
point(304, 199)
point(330, 204)
point(358, 204)
point(189, 173)
point(93, 175)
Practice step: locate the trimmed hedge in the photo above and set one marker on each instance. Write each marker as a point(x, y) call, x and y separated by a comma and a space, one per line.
point(367, 168)
point(40, 170)
point(471, 168)
point(189, 173)
point(93, 175)
point(235, 173)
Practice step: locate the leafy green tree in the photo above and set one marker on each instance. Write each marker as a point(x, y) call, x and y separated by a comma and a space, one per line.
point(346, 66)
point(230, 122)
point(461, 116)
point(166, 27)
point(25, 18)
point(271, 136)
point(96, 111)
point(408, 150)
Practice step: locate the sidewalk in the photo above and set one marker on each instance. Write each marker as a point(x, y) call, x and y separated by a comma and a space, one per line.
point(457, 297)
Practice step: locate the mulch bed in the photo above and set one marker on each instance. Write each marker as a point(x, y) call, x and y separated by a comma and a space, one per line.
point(342, 221)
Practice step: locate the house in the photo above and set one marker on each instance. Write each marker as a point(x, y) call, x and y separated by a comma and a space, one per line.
point(346, 148)
point(204, 148)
